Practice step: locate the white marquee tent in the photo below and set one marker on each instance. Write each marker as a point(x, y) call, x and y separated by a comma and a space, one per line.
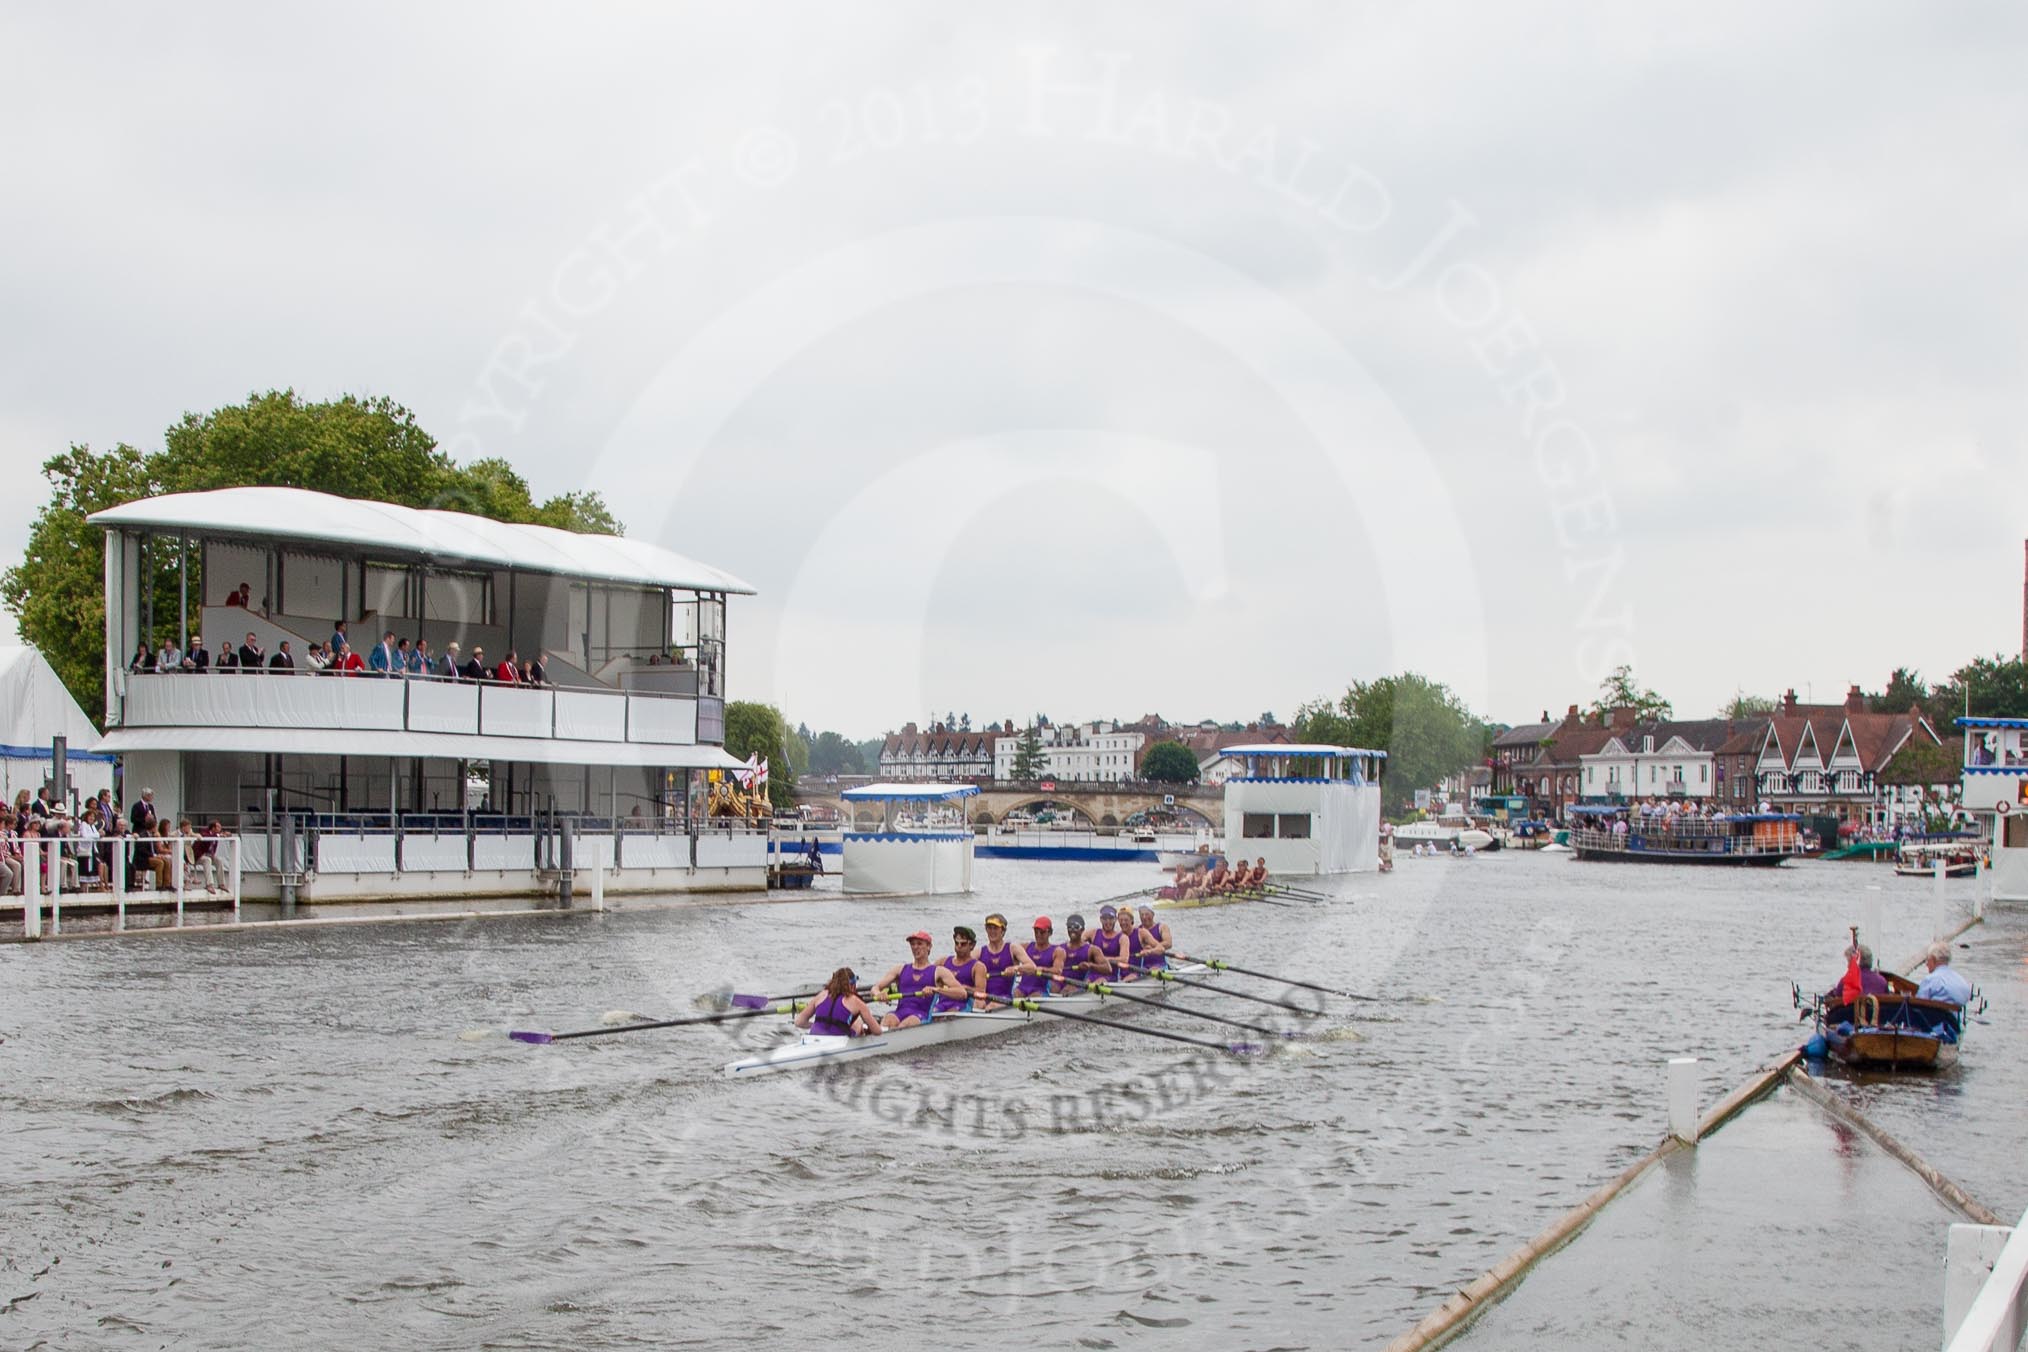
point(34, 707)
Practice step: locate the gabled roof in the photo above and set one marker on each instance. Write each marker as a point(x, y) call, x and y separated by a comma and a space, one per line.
point(1528, 734)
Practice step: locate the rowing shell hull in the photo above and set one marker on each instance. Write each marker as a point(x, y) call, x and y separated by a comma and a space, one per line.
point(809, 1051)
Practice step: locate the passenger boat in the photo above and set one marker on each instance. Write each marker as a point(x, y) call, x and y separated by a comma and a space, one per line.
point(1895, 1031)
point(1919, 858)
point(1763, 838)
point(807, 1051)
point(1442, 834)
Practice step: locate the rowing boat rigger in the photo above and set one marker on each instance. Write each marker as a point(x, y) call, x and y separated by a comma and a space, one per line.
point(805, 1051)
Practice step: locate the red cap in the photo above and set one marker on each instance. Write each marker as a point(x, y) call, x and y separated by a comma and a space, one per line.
point(922, 935)
point(1042, 923)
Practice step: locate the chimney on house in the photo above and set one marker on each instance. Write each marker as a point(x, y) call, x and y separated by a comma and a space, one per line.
point(1789, 703)
point(1622, 718)
point(1571, 717)
point(1855, 702)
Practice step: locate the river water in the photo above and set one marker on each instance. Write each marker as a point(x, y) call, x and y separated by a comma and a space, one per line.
point(318, 1137)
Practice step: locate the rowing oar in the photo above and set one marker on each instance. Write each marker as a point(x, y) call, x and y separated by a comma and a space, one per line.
point(1219, 965)
point(1307, 894)
point(527, 1035)
point(1110, 991)
point(1042, 1007)
point(1164, 974)
point(1129, 896)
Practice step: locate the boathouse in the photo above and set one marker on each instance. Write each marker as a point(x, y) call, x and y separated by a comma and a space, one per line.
point(1305, 808)
point(377, 784)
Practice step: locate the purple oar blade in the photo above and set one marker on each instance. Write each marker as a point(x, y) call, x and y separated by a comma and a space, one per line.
point(521, 1035)
point(751, 1001)
point(1245, 1048)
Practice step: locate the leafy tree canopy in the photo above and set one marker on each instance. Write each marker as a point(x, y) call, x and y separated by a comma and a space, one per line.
point(831, 754)
point(351, 446)
point(1031, 762)
point(1747, 706)
point(753, 729)
point(1986, 687)
point(1425, 730)
point(1620, 690)
point(1169, 763)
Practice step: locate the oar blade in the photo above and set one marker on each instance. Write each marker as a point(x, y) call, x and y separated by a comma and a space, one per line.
point(527, 1035)
point(743, 1001)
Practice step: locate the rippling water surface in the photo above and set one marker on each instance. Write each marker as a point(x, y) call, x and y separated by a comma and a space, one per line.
point(317, 1137)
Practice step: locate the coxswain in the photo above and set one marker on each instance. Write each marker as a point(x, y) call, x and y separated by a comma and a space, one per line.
point(1045, 961)
point(965, 969)
point(1003, 962)
point(1112, 944)
point(912, 985)
point(1152, 942)
point(838, 1011)
point(1081, 962)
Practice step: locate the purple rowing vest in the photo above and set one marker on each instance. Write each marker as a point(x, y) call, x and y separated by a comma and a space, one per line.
point(1077, 963)
point(1043, 956)
point(999, 984)
point(1114, 948)
point(915, 992)
point(830, 1018)
point(962, 972)
point(1151, 962)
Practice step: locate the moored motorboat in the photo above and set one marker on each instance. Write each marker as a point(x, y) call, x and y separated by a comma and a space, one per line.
point(1920, 858)
point(807, 1051)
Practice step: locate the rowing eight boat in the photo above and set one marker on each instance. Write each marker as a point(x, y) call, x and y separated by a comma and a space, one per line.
point(806, 1051)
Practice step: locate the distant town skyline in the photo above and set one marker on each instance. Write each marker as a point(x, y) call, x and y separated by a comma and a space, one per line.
point(1058, 358)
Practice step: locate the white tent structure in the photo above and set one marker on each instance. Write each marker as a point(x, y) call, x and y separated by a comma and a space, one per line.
point(35, 707)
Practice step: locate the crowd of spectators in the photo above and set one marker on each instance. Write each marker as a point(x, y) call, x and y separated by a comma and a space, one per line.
point(391, 657)
point(84, 847)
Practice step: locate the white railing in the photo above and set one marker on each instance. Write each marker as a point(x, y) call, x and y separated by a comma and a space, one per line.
point(1986, 1312)
point(375, 703)
point(218, 873)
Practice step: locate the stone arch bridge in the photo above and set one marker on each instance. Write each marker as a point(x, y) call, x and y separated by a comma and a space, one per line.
point(1101, 806)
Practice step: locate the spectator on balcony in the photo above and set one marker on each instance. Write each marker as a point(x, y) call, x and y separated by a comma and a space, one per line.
point(107, 813)
point(243, 598)
point(448, 668)
point(476, 669)
point(346, 662)
point(56, 858)
point(382, 661)
point(538, 671)
point(170, 658)
point(419, 658)
point(158, 857)
point(283, 661)
point(142, 813)
point(509, 670)
point(227, 660)
point(404, 658)
point(252, 657)
point(314, 660)
point(526, 672)
point(199, 856)
point(143, 660)
point(84, 848)
point(339, 639)
point(198, 659)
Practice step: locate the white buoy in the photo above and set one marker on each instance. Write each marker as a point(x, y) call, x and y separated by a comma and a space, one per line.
point(1683, 1099)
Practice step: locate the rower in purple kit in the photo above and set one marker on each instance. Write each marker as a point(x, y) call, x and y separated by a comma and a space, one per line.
point(913, 984)
point(1113, 943)
point(1081, 961)
point(1152, 942)
point(1045, 961)
point(964, 968)
point(1003, 961)
point(838, 1011)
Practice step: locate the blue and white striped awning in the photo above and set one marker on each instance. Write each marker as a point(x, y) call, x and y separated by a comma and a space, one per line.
point(909, 793)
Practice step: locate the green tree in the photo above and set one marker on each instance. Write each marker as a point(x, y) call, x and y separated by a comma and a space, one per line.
point(1425, 730)
point(1919, 762)
point(1620, 690)
point(1030, 761)
point(869, 756)
point(1743, 705)
point(1323, 722)
point(1905, 690)
point(753, 729)
point(831, 754)
point(350, 446)
point(1985, 687)
point(57, 591)
point(1169, 763)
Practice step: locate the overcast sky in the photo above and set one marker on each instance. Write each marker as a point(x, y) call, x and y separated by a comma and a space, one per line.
point(1164, 359)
